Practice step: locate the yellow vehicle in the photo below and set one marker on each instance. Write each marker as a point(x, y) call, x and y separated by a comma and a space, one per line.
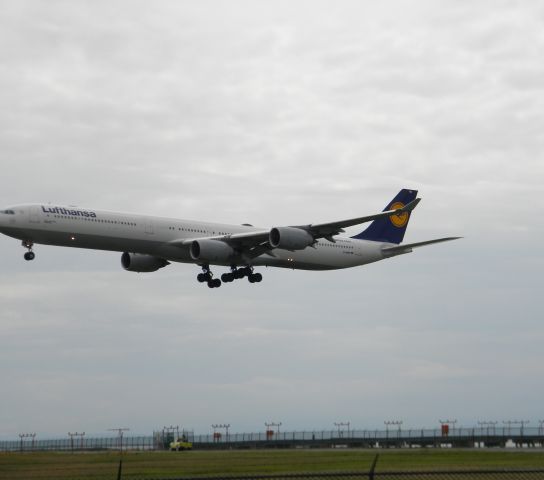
point(181, 444)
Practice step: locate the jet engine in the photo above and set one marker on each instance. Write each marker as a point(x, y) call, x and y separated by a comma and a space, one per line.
point(290, 238)
point(211, 251)
point(138, 262)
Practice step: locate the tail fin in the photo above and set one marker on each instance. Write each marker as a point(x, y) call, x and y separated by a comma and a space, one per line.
point(390, 229)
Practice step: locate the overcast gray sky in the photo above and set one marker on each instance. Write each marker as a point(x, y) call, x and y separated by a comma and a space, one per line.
point(275, 113)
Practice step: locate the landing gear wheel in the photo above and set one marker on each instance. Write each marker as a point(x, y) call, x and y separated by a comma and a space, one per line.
point(207, 276)
point(214, 283)
point(28, 244)
point(227, 277)
point(253, 277)
point(248, 271)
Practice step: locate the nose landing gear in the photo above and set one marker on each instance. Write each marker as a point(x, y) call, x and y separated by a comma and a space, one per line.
point(28, 244)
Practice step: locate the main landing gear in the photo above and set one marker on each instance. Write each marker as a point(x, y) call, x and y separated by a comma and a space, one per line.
point(237, 273)
point(234, 274)
point(30, 255)
point(207, 276)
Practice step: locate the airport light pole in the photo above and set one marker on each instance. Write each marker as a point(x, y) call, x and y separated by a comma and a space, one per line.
point(488, 425)
point(27, 435)
point(172, 429)
point(521, 423)
point(449, 422)
point(217, 426)
point(120, 432)
point(273, 424)
point(76, 434)
point(389, 423)
point(269, 426)
point(339, 425)
point(540, 426)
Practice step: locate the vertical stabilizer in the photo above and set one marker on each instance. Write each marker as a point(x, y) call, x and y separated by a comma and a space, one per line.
point(393, 228)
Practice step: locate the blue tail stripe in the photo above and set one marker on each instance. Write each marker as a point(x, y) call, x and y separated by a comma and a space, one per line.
point(392, 229)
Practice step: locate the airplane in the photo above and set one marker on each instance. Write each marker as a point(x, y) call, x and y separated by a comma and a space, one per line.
point(149, 243)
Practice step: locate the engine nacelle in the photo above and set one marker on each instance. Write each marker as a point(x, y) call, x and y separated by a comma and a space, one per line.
point(138, 262)
point(290, 238)
point(211, 251)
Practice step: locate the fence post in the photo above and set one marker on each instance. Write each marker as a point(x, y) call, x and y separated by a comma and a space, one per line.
point(119, 472)
point(372, 468)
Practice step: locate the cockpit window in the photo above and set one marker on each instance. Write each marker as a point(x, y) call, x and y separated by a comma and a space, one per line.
point(8, 212)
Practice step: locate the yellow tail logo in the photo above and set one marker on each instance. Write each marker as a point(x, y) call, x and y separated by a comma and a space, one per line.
point(399, 220)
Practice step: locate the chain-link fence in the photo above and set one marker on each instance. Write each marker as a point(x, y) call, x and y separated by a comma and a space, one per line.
point(372, 474)
point(158, 441)
point(88, 444)
point(455, 437)
point(460, 436)
point(423, 475)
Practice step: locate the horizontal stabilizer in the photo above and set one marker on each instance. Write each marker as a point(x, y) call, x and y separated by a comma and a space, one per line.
point(407, 248)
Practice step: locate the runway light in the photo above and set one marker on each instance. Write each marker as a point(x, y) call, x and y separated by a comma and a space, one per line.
point(72, 238)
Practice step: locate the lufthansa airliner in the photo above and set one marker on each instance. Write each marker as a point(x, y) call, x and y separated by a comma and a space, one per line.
point(149, 243)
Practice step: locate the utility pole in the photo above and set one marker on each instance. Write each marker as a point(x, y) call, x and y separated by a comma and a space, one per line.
point(120, 432)
point(76, 434)
point(27, 435)
point(339, 426)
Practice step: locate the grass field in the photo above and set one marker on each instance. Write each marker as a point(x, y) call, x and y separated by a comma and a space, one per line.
point(51, 465)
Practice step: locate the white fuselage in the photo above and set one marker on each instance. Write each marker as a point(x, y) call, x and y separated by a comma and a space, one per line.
point(158, 236)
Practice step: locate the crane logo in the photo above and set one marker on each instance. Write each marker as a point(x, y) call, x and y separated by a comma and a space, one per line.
point(399, 220)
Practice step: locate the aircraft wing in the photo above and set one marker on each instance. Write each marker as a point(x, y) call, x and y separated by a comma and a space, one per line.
point(255, 243)
point(236, 240)
point(328, 230)
point(407, 248)
point(251, 244)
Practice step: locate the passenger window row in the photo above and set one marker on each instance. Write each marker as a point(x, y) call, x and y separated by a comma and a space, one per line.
point(99, 220)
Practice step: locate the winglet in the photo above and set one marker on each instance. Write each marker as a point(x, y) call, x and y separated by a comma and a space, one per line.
point(409, 207)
